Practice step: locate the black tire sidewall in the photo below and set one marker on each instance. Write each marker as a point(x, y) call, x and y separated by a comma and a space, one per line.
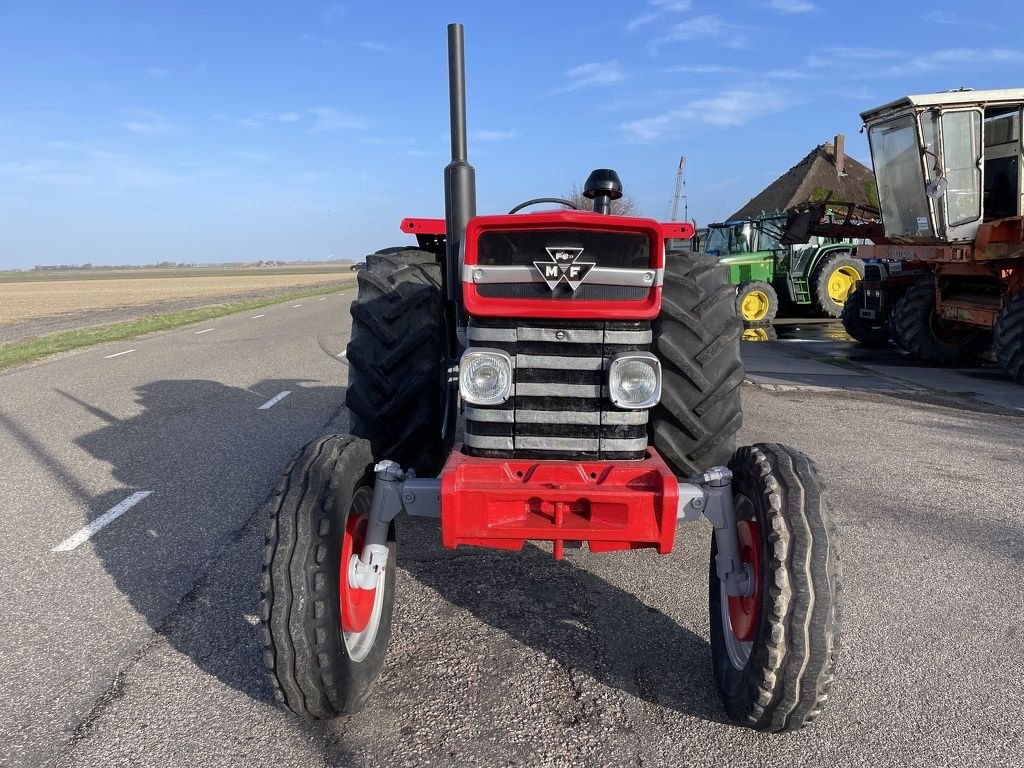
point(824, 271)
point(744, 289)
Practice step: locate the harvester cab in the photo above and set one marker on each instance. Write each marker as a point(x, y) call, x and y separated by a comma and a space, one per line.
point(599, 385)
point(948, 168)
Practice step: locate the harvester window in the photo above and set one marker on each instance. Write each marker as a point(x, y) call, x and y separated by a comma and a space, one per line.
point(961, 156)
point(1002, 195)
point(901, 194)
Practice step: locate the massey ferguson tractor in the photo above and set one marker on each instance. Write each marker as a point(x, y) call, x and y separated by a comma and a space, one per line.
point(946, 274)
point(599, 385)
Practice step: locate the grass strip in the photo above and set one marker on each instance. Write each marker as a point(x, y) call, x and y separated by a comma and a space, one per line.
point(20, 352)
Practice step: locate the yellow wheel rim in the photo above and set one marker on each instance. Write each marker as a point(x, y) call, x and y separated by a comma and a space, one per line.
point(841, 284)
point(755, 334)
point(755, 306)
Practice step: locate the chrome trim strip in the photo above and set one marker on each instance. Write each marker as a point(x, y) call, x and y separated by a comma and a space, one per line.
point(568, 335)
point(495, 416)
point(628, 337)
point(619, 444)
point(521, 273)
point(561, 390)
point(560, 443)
point(559, 363)
point(488, 441)
point(592, 418)
point(623, 417)
point(491, 334)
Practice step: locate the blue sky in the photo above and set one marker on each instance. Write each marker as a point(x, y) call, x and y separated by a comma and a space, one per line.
point(206, 131)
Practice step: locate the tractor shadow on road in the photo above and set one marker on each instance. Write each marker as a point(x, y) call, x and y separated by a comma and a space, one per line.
point(188, 556)
point(583, 622)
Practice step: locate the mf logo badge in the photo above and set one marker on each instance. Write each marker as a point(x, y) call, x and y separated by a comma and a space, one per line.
point(564, 265)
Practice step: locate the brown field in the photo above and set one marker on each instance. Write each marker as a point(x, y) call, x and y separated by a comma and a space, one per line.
point(33, 296)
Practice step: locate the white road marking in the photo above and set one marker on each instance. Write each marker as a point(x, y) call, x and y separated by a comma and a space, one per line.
point(296, 306)
point(322, 299)
point(274, 400)
point(256, 317)
point(205, 330)
point(107, 517)
point(118, 354)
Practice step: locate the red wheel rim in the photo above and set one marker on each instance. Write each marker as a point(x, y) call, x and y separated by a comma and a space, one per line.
point(356, 604)
point(743, 610)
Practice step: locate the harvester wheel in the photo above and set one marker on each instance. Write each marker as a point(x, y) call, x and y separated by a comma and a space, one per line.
point(870, 333)
point(323, 641)
point(697, 339)
point(774, 652)
point(918, 330)
point(1009, 338)
point(395, 382)
point(834, 280)
point(756, 302)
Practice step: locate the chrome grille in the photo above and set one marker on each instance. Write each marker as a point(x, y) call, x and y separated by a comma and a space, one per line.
point(559, 408)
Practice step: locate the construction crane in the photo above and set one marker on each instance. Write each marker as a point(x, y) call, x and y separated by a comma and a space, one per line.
point(678, 193)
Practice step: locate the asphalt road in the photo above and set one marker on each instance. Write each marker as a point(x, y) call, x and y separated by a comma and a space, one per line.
point(139, 647)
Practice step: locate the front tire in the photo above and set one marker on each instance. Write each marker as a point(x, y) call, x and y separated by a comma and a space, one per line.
point(870, 333)
point(697, 339)
point(919, 330)
point(323, 642)
point(834, 281)
point(756, 302)
point(1008, 338)
point(774, 653)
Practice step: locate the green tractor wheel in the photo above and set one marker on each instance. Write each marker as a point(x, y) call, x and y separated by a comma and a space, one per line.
point(756, 302)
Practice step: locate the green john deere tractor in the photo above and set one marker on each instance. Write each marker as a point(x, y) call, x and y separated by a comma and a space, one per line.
point(821, 273)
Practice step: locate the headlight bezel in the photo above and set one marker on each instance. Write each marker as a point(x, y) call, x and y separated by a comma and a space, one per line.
point(617, 362)
point(498, 355)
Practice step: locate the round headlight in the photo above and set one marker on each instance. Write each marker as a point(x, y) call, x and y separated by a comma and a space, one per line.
point(634, 380)
point(485, 376)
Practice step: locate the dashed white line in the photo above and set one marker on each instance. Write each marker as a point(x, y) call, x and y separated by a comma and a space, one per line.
point(274, 400)
point(296, 306)
point(256, 317)
point(118, 354)
point(205, 330)
point(322, 299)
point(107, 517)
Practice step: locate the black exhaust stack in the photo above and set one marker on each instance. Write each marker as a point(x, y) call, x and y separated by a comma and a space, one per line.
point(459, 176)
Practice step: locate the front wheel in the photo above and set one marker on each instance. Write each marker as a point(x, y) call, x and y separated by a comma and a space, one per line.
point(324, 641)
point(756, 302)
point(870, 333)
point(918, 329)
point(834, 281)
point(774, 652)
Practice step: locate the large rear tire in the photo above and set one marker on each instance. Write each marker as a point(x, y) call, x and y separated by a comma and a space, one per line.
point(323, 641)
point(870, 333)
point(1008, 338)
point(919, 331)
point(697, 339)
point(834, 280)
point(395, 357)
point(774, 652)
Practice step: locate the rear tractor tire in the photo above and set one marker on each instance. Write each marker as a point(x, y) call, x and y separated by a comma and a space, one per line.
point(918, 329)
point(834, 280)
point(697, 340)
point(324, 641)
point(1008, 338)
point(756, 302)
point(395, 356)
point(774, 652)
point(870, 333)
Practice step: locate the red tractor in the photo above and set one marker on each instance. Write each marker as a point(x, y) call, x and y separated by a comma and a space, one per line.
point(599, 383)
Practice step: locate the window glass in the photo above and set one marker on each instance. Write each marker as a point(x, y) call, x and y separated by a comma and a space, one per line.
point(930, 131)
point(897, 160)
point(961, 151)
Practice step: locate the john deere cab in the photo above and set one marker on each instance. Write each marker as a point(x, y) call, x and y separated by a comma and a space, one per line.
point(948, 169)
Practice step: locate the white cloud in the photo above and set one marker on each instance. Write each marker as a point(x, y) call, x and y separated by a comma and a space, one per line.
point(951, 58)
point(662, 7)
point(378, 47)
point(494, 135)
point(334, 13)
point(829, 57)
point(158, 71)
point(255, 157)
point(150, 123)
point(706, 27)
point(330, 119)
point(702, 69)
point(594, 73)
point(288, 117)
point(792, 6)
point(307, 177)
point(727, 109)
point(786, 74)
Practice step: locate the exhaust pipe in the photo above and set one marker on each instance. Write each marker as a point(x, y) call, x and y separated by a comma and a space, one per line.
point(459, 176)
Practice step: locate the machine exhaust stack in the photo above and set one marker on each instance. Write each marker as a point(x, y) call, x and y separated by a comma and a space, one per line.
point(459, 176)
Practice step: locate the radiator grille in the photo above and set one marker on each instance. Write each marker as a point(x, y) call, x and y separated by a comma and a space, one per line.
point(559, 409)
